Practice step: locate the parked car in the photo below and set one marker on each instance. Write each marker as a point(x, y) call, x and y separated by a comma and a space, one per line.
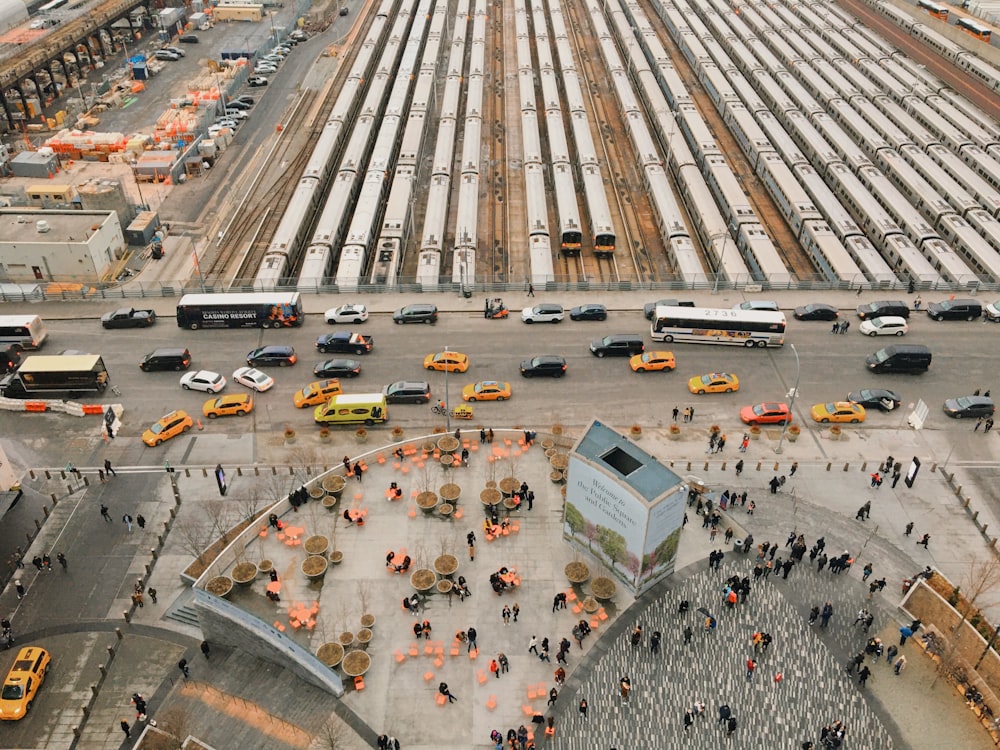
point(239, 104)
point(551, 365)
point(758, 305)
point(338, 368)
point(876, 398)
point(233, 405)
point(128, 317)
point(176, 51)
point(890, 325)
point(188, 39)
point(546, 312)
point(954, 309)
point(589, 312)
point(652, 362)
point(272, 356)
point(881, 308)
point(253, 379)
point(165, 54)
point(203, 380)
point(816, 311)
point(168, 426)
point(838, 411)
point(350, 313)
point(486, 390)
point(649, 309)
point(407, 392)
point(992, 312)
point(245, 99)
point(416, 313)
point(965, 407)
point(257, 80)
point(23, 681)
point(770, 412)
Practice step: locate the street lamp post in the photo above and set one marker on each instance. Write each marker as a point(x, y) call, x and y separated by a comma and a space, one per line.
point(447, 402)
point(791, 401)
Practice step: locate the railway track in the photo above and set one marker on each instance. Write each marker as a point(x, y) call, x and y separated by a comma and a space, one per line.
point(494, 266)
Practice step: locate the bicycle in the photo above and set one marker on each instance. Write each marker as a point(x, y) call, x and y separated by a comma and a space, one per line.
point(116, 390)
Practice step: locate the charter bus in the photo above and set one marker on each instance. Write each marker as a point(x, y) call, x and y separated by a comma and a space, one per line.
point(704, 325)
point(251, 310)
point(25, 331)
point(970, 26)
point(934, 10)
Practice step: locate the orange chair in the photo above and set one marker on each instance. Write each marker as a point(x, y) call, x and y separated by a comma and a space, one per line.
point(532, 693)
point(439, 662)
point(577, 609)
point(440, 699)
point(381, 458)
point(400, 656)
point(602, 615)
point(474, 654)
point(414, 651)
point(550, 732)
point(428, 676)
point(481, 677)
point(359, 683)
point(454, 649)
point(528, 710)
point(571, 595)
point(491, 703)
point(458, 514)
point(428, 649)
point(594, 623)
point(515, 527)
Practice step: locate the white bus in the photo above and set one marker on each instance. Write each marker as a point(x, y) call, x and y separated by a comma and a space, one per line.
point(703, 325)
point(27, 331)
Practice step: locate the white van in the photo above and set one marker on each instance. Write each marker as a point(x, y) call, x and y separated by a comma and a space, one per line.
point(890, 325)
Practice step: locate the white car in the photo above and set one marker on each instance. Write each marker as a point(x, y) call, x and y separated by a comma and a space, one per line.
point(203, 380)
point(347, 314)
point(546, 312)
point(236, 114)
point(176, 51)
point(253, 379)
point(890, 325)
point(757, 305)
point(265, 70)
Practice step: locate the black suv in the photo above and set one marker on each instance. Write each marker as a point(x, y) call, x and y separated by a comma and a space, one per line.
point(955, 309)
point(418, 313)
point(618, 345)
point(272, 356)
point(166, 359)
point(883, 308)
point(546, 364)
point(407, 392)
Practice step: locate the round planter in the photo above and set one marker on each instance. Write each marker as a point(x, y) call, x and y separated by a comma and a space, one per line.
point(361, 436)
point(557, 429)
point(330, 654)
point(755, 433)
point(445, 586)
point(356, 663)
point(334, 484)
point(674, 433)
point(490, 484)
point(793, 435)
point(397, 433)
point(364, 637)
point(324, 435)
point(548, 444)
point(265, 566)
point(446, 509)
point(559, 461)
point(835, 433)
point(448, 444)
point(314, 567)
point(590, 605)
point(446, 565)
point(368, 621)
point(330, 502)
point(577, 572)
point(423, 579)
point(490, 496)
point(244, 573)
point(427, 447)
point(635, 432)
point(556, 476)
point(508, 485)
point(346, 638)
point(220, 586)
point(447, 460)
point(316, 545)
point(336, 557)
point(289, 436)
point(550, 452)
point(316, 492)
point(427, 501)
point(603, 588)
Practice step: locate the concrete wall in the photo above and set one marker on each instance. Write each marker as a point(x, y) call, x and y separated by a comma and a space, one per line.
point(222, 622)
point(84, 258)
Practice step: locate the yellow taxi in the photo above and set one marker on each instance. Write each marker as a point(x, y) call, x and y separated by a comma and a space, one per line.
point(652, 361)
point(237, 404)
point(446, 362)
point(714, 382)
point(486, 390)
point(317, 393)
point(839, 411)
point(166, 427)
point(22, 683)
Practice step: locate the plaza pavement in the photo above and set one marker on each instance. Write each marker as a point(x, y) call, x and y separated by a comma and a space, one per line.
point(235, 701)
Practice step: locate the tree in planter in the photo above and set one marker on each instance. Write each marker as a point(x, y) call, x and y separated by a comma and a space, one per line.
point(981, 578)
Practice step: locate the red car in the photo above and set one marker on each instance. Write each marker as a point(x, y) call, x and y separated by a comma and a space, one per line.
point(767, 413)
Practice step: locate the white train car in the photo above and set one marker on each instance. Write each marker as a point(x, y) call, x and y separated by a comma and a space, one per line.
point(847, 71)
point(982, 163)
point(920, 135)
point(729, 195)
point(748, 134)
point(670, 222)
point(987, 226)
point(388, 255)
point(981, 190)
point(979, 69)
point(894, 136)
point(943, 183)
point(804, 101)
point(960, 104)
point(830, 256)
point(979, 135)
point(772, 94)
point(860, 132)
point(846, 147)
point(363, 230)
point(821, 154)
point(432, 236)
point(780, 140)
point(761, 256)
point(974, 249)
point(466, 229)
point(789, 196)
point(921, 194)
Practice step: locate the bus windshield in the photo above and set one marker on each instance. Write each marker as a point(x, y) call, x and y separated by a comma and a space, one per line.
point(253, 310)
point(702, 325)
point(27, 331)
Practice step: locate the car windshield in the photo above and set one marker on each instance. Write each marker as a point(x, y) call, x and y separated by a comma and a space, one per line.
point(706, 379)
point(830, 408)
point(878, 322)
point(964, 402)
point(157, 428)
point(947, 304)
point(759, 409)
point(214, 380)
point(881, 355)
point(12, 692)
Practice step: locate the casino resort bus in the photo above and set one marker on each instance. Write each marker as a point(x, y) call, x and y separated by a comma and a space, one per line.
point(252, 310)
point(703, 325)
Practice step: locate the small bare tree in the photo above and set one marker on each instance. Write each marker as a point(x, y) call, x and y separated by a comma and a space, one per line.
point(195, 537)
point(364, 594)
point(335, 735)
point(981, 578)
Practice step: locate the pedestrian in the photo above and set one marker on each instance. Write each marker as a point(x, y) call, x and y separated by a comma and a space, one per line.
point(688, 719)
point(21, 592)
point(989, 424)
point(358, 470)
point(583, 707)
point(100, 475)
point(909, 529)
point(687, 634)
point(107, 468)
point(470, 635)
point(544, 655)
point(533, 645)
point(516, 610)
point(835, 328)
point(724, 713)
point(794, 468)
point(127, 520)
point(482, 435)
point(76, 472)
point(47, 562)
point(890, 653)
point(867, 571)
point(553, 694)
point(205, 649)
point(925, 540)
point(489, 436)
point(495, 668)
point(654, 642)
point(636, 636)
point(900, 665)
point(739, 467)
point(141, 521)
point(505, 614)
point(730, 726)
point(744, 443)
point(896, 474)
point(751, 507)
point(813, 615)
point(126, 728)
point(62, 560)
point(979, 423)
point(826, 614)
point(183, 666)
point(626, 688)
point(37, 562)
point(19, 559)
point(140, 706)
point(531, 289)
point(904, 633)
point(863, 676)
point(674, 413)
point(751, 666)
point(471, 541)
